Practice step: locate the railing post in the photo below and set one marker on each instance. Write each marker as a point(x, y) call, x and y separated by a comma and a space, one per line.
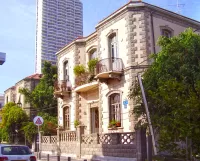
point(141, 144)
point(69, 159)
point(79, 132)
point(115, 137)
point(58, 141)
point(47, 157)
point(40, 144)
point(58, 158)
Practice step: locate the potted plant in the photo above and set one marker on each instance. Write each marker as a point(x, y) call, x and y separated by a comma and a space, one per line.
point(118, 124)
point(76, 123)
point(112, 124)
point(92, 65)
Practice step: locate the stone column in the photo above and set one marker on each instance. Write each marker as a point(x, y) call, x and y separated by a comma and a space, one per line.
point(115, 137)
point(79, 133)
point(141, 144)
point(58, 141)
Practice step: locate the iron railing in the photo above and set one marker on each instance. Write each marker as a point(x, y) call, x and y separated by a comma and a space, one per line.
point(62, 86)
point(109, 65)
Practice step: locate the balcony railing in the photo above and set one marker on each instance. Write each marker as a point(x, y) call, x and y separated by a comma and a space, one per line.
point(62, 87)
point(108, 66)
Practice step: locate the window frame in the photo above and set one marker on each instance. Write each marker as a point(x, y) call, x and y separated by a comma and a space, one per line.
point(115, 108)
point(66, 121)
point(164, 30)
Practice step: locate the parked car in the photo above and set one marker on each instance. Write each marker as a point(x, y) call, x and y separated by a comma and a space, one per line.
point(16, 153)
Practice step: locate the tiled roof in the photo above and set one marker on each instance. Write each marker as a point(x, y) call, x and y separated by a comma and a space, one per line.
point(34, 76)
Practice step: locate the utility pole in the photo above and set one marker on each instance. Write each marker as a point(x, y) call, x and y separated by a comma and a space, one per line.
point(147, 113)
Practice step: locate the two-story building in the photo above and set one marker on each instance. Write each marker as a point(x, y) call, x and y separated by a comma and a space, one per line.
point(12, 94)
point(122, 42)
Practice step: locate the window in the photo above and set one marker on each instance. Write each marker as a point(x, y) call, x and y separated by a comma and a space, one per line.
point(66, 71)
point(113, 45)
point(66, 117)
point(166, 33)
point(93, 54)
point(115, 107)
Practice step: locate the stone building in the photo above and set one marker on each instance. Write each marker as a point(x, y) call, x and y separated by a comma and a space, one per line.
point(12, 94)
point(98, 100)
point(122, 43)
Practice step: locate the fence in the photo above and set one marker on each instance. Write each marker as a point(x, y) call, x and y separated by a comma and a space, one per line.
point(77, 144)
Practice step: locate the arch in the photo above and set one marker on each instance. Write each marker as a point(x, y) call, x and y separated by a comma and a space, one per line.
point(114, 91)
point(66, 117)
point(114, 98)
point(91, 48)
point(166, 31)
point(112, 41)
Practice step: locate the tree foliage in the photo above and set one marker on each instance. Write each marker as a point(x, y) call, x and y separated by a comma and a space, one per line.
point(13, 118)
point(172, 86)
point(48, 127)
point(42, 97)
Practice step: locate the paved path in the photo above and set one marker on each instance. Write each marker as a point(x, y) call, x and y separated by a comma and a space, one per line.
point(55, 158)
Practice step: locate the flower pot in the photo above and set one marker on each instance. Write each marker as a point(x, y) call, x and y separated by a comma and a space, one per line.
point(118, 124)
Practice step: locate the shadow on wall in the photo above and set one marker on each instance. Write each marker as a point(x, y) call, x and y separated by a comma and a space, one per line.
point(112, 146)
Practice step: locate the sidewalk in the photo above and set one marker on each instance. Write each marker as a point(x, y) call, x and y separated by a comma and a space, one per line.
point(55, 158)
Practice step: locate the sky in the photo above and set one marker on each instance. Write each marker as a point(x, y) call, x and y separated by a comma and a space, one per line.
point(18, 29)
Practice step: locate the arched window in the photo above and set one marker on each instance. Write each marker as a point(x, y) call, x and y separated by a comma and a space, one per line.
point(66, 70)
point(113, 45)
point(93, 54)
point(66, 116)
point(115, 107)
point(166, 33)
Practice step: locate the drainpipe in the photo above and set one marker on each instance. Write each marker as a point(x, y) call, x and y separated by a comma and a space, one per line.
point(152, 32)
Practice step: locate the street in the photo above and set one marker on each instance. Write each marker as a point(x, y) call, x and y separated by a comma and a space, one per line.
point(55, 158)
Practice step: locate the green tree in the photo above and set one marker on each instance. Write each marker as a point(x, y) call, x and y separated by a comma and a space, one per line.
point(42, 97)
point(48, 127)
point(172, 86)
point(13, 118)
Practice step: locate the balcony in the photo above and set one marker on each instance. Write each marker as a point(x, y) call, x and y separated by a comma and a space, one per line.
point(85, 82)
point(62, 88)
point(109, 68)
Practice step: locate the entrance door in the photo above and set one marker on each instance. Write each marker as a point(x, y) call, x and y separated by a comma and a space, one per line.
point(94, 120)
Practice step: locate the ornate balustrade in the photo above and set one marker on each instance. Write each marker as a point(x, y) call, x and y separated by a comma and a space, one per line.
point(111, 138)
point(68, 136)
point(49, 139)
point(109, 68)
point(62, 87)
point(109, 64)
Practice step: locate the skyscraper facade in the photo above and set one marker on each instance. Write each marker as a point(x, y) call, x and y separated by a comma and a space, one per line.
point(58, 23)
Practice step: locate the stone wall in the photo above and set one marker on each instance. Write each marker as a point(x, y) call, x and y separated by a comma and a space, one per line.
point(128, 146)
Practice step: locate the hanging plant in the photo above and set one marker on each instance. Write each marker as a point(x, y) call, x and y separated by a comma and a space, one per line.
point(79, 69)
point(92, 65)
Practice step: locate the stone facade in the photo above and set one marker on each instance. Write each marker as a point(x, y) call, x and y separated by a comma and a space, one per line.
point(12, 94)
point(122, 44)
point(136, 26)
point(112, 146)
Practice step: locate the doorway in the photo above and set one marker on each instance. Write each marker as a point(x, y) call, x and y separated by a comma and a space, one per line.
point(94, 112)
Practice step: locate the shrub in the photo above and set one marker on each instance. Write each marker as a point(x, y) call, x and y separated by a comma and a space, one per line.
point(79, 69)
point(91, 65)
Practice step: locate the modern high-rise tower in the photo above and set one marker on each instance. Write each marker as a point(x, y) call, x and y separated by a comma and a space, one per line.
point(58, 23)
